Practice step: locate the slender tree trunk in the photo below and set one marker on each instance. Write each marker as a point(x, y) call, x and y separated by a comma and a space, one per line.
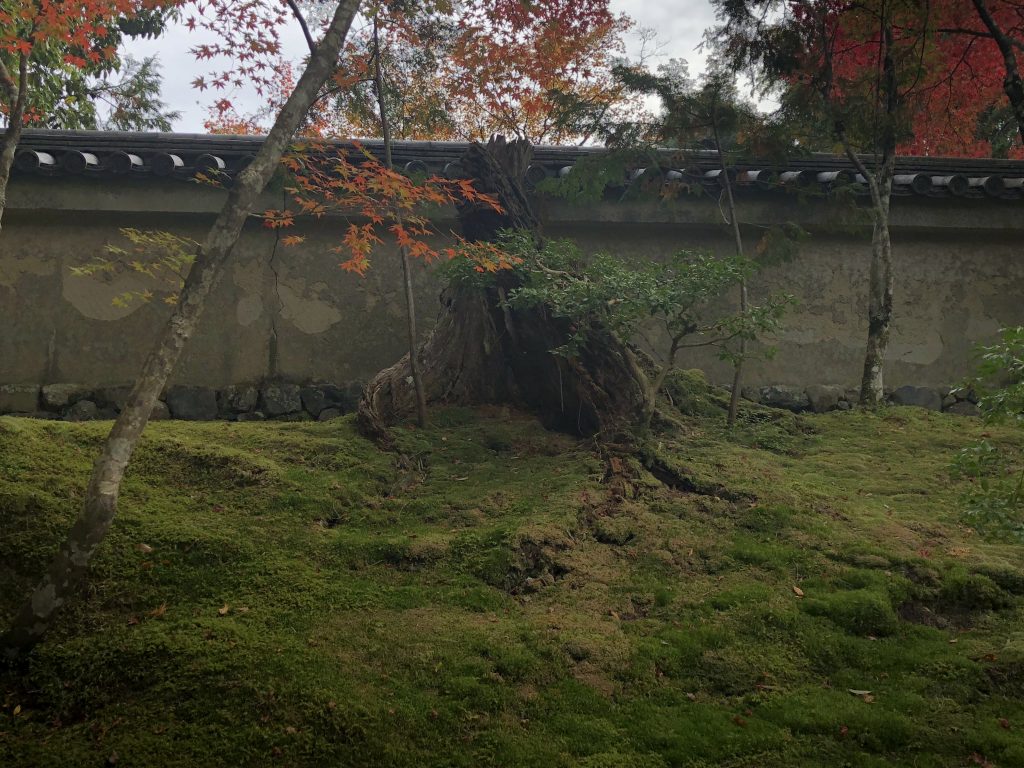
point(1013, 84)
point(737, 376)
point(100, 506)
point(15, 96)
point(881, 278)
point(403, 252)
point(659, 382)
point(880, 291)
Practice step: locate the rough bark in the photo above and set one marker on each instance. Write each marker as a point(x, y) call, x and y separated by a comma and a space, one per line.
point(1013, 84)
point(881, 277)
point(737, 375)
point(880, 291)
point(15, 95)
point(100, 505)
point(482, 351)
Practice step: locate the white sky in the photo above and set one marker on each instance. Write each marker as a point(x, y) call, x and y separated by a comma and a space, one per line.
point(679, 26)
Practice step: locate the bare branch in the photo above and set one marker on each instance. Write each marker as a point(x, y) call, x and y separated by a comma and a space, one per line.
point(297, 12)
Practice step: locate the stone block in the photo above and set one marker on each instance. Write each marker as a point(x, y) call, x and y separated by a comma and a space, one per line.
point(751, 393)
point(964, 408)
point(83, 410)
point(160, 412)
point(922, 397)
point(240, 398)
point(279, 398)
point(19, 398)
point(329, 413)
point(115, 398)
point(192, 403)
point(788, 398)
point(824, 397)
point(320, 397)
point(58, 396)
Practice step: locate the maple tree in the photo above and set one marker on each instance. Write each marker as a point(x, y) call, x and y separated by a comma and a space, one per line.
point(542, 71)
point(38, 37)
point(973, 105)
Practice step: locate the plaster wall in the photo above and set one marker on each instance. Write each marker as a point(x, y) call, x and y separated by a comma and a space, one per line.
point(290, 312)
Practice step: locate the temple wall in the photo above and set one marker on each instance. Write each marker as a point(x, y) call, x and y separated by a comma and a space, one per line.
point(291, 313)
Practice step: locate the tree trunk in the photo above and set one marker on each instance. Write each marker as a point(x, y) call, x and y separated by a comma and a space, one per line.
point(482, 351)
point(16, 96)
point(8, 146)
point(403, 252)
point(737, 375)
point(880, 290)
point(100, 506)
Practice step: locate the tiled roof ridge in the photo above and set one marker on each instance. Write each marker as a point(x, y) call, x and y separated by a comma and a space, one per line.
point(182, 155)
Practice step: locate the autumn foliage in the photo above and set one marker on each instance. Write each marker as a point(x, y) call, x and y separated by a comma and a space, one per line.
point(326, 181)
point(54, 33)
point(950, 72)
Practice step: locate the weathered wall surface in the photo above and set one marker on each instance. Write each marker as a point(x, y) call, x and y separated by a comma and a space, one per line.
point(291, 313)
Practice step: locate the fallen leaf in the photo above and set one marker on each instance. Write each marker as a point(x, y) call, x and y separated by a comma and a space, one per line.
point(1004, 723)
point(952, 641)
point(291, 729)
point(223, 610)
point(843, 730)
point(857, 692)
point(17, 710)
point(159, 611)
point(797, 591)
point(739, 721)
point(143, 548)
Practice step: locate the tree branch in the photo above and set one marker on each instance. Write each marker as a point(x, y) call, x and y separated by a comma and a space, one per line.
point(10, 88)
point(297, 12)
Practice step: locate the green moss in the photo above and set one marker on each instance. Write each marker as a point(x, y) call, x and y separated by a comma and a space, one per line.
point(963, 591)
point(304, 599)
point(859, 611)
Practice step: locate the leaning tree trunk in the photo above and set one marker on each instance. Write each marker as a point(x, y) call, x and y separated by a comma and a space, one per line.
point(72, 560)
point(483, 351)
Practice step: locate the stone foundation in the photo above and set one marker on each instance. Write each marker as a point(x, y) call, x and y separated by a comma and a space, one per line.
point(278, 400)
point(821, 398)
point(317, 401)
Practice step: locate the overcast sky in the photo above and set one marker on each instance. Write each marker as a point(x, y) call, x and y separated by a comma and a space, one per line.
point(679, 25)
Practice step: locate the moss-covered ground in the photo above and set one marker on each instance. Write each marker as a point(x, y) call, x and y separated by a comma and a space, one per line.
point(287, 594)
